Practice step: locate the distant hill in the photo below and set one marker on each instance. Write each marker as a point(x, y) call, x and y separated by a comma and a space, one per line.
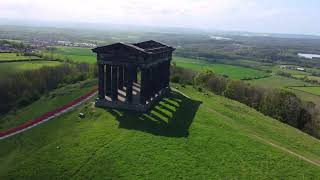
point(190, 134)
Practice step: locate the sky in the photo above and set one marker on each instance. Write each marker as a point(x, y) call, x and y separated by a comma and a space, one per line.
point(269, 16)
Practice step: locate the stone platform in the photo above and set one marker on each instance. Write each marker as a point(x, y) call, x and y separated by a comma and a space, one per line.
point(135, 105)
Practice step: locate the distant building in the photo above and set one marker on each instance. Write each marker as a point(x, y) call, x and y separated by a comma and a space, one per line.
point(118, 66)
point(301, 69)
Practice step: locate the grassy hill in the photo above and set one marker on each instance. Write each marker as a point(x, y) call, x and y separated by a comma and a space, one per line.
point(14, 56)
point(76, 54)
point(85, 55)
point(276, 81)
point(14, 67)
point(312, 90)
point(46, 103)
point(234, 72)
point(187, 135)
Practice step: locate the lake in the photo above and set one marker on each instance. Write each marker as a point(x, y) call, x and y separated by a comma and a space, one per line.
point(309, 56)
point(220, 38)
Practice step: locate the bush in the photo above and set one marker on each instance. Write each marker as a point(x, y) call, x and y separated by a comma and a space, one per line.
point(180, 75)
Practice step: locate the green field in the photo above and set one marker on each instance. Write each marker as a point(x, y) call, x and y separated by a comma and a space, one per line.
point(311, 90)
point(14, 67)
point(191, 136)
point(315, 78)
point(278, 82)
point(234, 72)
point(47, 103)
point(13, 56)
point(77, 54)
point(290, 71)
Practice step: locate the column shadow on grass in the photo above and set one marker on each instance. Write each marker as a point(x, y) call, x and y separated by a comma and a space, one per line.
point(171, 117)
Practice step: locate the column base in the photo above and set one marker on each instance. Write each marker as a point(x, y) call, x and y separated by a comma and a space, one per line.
point(134, 106)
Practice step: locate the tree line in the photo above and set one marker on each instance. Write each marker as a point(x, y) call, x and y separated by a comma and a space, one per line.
point(20, 89)
point(280, 104)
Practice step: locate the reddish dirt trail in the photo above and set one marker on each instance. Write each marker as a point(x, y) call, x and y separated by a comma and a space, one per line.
point(47, 116)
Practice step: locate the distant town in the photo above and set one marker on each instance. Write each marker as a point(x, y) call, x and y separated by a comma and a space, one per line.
point(8, 46)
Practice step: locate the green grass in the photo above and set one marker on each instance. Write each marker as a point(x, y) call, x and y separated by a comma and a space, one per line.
point(316, 78)
point(307, 97)
point(287, 83)
point(76, 54)
point(47, 103)
point(276, 81)
point(290, 71)
point(311, 90)
point(14, 67)
point(13, 56)
point(234, 72)
point(201, 137)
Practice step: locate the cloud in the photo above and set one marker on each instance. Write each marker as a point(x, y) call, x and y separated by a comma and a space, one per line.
point(218, 14)
point(131, 10)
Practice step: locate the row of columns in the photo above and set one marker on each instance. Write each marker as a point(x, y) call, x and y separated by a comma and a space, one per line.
point(153, 80)
point(114, 77)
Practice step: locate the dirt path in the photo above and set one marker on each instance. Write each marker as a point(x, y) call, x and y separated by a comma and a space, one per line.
point(47, 116)
point(288, 151)
point(253, 134)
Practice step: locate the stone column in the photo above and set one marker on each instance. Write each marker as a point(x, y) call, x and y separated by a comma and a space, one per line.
point(130, 74)
point(151, 79)
point(167, 74)
point(135, 75)
point(163, 75)
point(125, 75)
point(148, 84)
point(120, 77)
point(143, 86)
point(101, 81)
point(114, 85)
point(108, 80)
point(156, 81)
point(160, 76)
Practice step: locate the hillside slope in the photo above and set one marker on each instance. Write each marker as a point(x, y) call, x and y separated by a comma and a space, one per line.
point(190, 135)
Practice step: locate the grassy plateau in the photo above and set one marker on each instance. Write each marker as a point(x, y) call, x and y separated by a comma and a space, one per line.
point(13, 56)
point(188, 135)
point(234, 72)
point(15, 67)
point(77, 54)
point(276, 81)
point(312, 90)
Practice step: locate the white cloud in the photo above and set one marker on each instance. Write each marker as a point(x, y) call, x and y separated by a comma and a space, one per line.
point(219, 14)
point(130, 11)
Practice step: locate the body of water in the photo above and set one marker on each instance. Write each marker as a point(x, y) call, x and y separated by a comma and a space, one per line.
point(220, 38)
point(309, 56)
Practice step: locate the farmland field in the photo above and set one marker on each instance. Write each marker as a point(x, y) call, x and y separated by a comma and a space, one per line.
point(76, 54)
point(311, 90)
point(292, 71)
point(234, 72)
point(14, 67)
point(278, 82)
point(187, 134)
point(13, 56)
point(315, 78)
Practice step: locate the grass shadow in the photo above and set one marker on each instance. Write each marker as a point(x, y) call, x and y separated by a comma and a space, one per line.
point(171, 117)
